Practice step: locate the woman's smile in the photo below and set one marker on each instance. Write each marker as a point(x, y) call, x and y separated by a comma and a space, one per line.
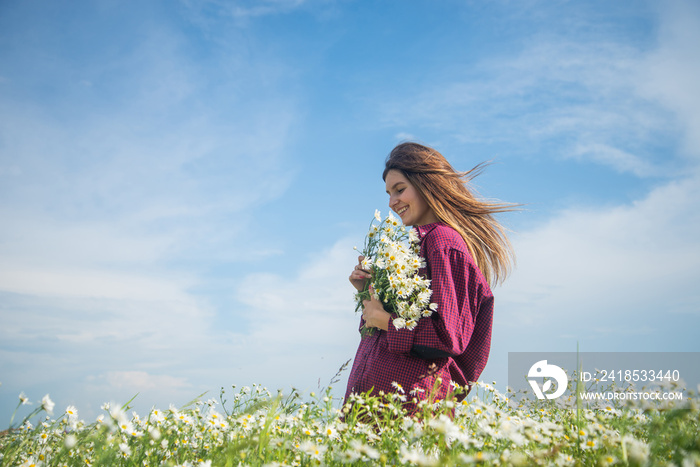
point(400, 190)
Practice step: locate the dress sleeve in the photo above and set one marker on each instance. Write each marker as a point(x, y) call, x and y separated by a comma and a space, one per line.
point(447, 332)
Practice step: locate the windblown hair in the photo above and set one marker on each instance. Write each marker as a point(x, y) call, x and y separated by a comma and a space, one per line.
point(446, 193)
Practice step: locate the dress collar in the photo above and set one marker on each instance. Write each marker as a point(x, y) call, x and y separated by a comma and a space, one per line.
point(424, 230)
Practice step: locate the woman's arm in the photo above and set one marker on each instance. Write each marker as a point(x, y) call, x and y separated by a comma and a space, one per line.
point(458, 289)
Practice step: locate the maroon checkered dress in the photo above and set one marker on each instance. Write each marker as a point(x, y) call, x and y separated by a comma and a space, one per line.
point(452, 344)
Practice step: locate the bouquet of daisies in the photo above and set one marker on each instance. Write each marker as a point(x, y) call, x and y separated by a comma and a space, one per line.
point(392, 255)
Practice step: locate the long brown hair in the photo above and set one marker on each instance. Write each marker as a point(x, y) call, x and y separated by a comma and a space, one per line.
point(446, 192)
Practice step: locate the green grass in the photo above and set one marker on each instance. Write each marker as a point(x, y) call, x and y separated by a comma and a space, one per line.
point(251, 426)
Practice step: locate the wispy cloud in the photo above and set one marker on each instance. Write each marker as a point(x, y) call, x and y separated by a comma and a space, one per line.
point(259, 8)
point(596, 100)
point(118, 198)
point(618, 159)
point(598, 273)
point(669, 74)
point(623, 264)
point(302, 327)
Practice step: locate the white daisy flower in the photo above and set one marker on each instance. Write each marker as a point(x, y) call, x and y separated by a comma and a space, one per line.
point(47, 404)
point(399, 323)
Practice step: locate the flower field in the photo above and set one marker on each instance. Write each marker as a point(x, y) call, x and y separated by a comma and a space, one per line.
point(251, 426)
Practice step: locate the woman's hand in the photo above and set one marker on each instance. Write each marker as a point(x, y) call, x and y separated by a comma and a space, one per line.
point(374, 314)
point(359, 276)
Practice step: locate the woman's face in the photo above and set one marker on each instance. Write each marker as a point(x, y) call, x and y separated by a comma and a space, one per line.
point(405, 200)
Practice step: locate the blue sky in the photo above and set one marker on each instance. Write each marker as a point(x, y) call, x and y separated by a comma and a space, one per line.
point(182, 183)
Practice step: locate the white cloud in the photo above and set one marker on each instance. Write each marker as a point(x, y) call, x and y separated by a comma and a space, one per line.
point(600, 100)
point(105, 201)
point(617, 270)
point(670, 73)
point(96, 283)
point(246, 9)
point(621, 161)
point(607, 279)
point(301, 327)
point(113, 197)
point(141, 380)
point(166, 346)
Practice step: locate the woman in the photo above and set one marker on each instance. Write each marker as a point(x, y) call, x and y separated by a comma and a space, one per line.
point(466, 250)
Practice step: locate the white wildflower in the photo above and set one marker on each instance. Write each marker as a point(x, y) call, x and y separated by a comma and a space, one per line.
point(478, 458)
point(118, 415)
point(398, 386)
point(156, 417)
point(71, 412)
point(424, 296)
point(31, 461)
point(637, 451)
point(125, 449)
point(565, 459)
point(443, 425)
point(313, 450)
point(415, 457)
point(399, 323)
point(70, 441)
point(126, 427)
point(364, 450)
point(331, 432)
point(154, 433)
point(47, 404)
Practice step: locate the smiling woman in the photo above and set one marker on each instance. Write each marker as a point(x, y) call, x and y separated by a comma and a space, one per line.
point(465, 250)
